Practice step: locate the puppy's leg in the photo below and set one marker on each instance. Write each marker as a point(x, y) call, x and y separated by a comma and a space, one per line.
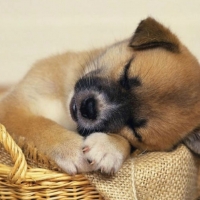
point(61, 145)
point(106, 152)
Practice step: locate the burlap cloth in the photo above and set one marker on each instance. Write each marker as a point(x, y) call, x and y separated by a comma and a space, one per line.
point(150, 176)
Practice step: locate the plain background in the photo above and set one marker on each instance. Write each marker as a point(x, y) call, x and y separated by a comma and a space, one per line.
point(31, 30)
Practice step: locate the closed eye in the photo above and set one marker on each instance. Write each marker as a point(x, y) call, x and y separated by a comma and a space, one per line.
point(126, 82)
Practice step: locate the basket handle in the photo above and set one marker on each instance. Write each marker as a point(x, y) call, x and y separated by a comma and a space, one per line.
point(18, 171)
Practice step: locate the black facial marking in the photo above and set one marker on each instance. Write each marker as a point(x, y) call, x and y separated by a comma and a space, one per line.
point(133, 124)
point(85, 132)
point(87, 111)
point(126, 82)
point(134, 82)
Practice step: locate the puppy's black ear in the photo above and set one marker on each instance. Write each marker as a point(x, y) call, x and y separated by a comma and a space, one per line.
point(193, 141)
point(151, 34)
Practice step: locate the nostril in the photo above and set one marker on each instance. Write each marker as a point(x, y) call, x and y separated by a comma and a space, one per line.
point(88, 108)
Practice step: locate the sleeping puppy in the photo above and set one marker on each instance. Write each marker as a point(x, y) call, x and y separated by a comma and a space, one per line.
point(85, 110)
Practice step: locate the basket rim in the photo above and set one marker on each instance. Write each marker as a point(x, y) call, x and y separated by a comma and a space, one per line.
point(18, 171)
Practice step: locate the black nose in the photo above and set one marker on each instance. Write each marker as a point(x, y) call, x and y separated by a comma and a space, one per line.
point(88, 108)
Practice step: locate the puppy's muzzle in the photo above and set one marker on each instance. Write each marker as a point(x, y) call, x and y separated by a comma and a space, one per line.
point(99, 105)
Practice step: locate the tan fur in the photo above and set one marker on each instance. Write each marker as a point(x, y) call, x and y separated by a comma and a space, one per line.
point(169, 98)
point(4, 90)
point(49, 79)
point(177, 73)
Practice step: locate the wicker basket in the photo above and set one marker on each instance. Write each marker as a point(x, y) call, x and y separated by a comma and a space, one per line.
point(150, 176)
point(21, 181)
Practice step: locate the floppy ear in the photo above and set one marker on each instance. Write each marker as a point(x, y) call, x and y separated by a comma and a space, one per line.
point(193, 141)
point(151, 34)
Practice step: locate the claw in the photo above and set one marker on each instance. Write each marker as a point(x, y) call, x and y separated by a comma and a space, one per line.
point(85, 149)
point(91, 162)
point(112, 172)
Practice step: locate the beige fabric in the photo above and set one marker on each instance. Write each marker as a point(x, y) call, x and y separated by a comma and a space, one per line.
point(118, 187)
point(166, 176)
point(152, 176)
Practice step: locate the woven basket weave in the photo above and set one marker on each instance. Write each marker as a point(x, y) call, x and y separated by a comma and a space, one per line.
point(21, 181)
point(152, 176)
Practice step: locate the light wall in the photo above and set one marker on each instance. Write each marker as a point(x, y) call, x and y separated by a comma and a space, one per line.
point(33, 29)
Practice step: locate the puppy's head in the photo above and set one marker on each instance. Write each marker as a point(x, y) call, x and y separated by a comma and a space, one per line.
point(146, 88)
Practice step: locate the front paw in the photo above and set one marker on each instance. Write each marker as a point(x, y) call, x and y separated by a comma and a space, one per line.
point(69, 156)
point(106, 152)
